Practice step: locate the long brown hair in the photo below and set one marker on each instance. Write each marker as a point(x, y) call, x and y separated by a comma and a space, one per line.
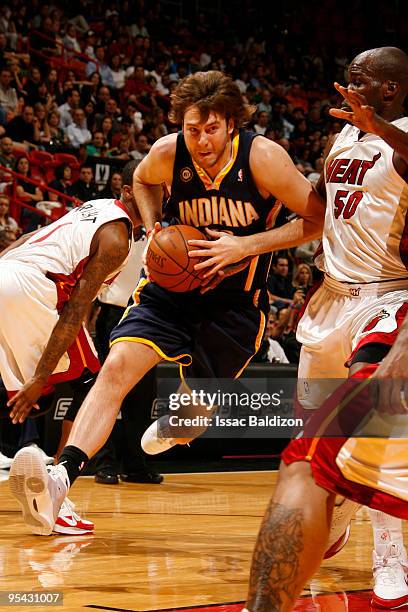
point(210, 91)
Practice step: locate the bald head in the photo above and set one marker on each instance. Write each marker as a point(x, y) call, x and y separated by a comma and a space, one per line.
point(386, 64)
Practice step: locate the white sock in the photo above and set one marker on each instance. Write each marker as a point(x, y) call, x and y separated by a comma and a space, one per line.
point(386, 529)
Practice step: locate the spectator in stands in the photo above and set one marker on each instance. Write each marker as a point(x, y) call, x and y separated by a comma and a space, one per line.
point(62, 181)
point(122, 47)
point(302, 278)
point(5, 220)
point(97, 148)
point(22, 128)
point(114, 186)
point(142, 147)
point(43, 96)
point(41, 121)
point(7, 159)
point(122, 150)
point(8, 94)
point(262, 122)
point(112, 111)
point(106, 129)
point(84, 188)
point(118, 72)
point(89, 91)
point(58, 139)
point(53, 85)
point(90, 44)
point(280, 286)
point(132, 112)
point(32, 83)
point(139, 28)
point(275, 352)
point(77, 132)
point(7, 237)
point(100, 65)
point(30, 194)
point(102, 97)
point(66, 110)
point(265, 105)
point(136, 84)
point(126, 129)
point(15, 67)
point(70, 40)
point(44, 42)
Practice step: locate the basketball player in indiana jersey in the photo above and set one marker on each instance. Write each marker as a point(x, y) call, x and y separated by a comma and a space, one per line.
point(48, 280)
point(219, 176)
point(348, 328)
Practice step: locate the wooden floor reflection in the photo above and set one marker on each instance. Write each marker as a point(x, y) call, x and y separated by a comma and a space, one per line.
point(184, 543)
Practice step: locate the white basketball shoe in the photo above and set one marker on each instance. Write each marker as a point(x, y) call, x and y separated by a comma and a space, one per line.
point(390, 578)
point(40, 490)
point(157, 438)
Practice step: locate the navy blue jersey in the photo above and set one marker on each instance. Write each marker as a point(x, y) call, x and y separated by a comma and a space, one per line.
point(231, 202)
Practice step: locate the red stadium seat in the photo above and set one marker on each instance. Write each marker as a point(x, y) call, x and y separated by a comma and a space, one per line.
point(49, 171)
point(67, 158)
point(39, 158)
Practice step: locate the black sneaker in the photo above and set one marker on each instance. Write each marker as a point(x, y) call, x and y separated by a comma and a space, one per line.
point(142, 476)
point(106, 477)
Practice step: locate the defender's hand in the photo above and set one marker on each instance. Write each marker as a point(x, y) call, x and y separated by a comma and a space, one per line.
point(25, 399)
point(360, 114)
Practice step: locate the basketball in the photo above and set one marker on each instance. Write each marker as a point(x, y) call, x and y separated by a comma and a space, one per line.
point(168, 261)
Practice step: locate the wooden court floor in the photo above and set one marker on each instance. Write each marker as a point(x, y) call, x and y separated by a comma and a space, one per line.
point(183, 544)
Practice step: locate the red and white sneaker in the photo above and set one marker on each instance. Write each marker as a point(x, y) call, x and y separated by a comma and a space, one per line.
point(390, 579)
point(70, 523)
point(343, 512)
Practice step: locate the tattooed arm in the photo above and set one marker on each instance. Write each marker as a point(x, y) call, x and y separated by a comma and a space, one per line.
point(275, 563)
point(109, 249)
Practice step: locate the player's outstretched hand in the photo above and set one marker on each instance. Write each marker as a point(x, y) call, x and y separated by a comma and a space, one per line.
point(156, 229)
point(221, 251)
point(25, 399)
point(359, 112)
point(392, 383)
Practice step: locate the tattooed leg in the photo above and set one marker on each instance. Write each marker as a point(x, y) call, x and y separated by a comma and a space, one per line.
point(291, 541)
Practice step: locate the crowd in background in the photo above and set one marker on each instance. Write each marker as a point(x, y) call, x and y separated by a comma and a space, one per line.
point(93, 80)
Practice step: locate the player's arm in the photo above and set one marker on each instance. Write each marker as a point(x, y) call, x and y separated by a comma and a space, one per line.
point(154, 170)
point(366, 119)
point(108, 251)
point(275, 175)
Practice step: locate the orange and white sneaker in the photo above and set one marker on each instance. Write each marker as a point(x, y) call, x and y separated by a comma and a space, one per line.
point(70, 523)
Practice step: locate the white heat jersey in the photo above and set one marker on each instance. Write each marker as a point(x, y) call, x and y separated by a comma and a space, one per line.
point(365, 235)
point(61, 250)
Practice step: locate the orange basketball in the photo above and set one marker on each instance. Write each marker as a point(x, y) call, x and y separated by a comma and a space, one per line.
point(168, 261)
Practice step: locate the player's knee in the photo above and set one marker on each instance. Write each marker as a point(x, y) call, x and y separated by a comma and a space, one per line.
point(298, 471)
point(115, 364)
point(296, 484)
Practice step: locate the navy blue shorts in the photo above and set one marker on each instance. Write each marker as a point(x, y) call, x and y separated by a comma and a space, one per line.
point(211, 335)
